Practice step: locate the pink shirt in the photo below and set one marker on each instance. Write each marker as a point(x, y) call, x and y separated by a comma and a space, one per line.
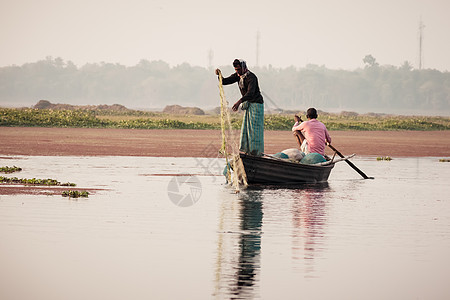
point(315, 133)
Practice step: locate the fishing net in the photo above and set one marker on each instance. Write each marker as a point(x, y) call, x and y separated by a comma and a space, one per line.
point(313, 158)
point(229, 147)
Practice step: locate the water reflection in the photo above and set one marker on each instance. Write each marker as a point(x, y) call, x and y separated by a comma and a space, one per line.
point(237, 276)
point(299, 215)
point(304, 242)
point(250, 243)
point(309, 216)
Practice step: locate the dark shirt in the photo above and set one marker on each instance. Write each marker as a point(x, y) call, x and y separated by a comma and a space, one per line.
point(250, 91)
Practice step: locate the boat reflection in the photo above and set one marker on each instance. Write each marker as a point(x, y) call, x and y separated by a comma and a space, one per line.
point(303, 213)
point(306, 206)
point(309, 217)
point(250, 243)
point(239, 247)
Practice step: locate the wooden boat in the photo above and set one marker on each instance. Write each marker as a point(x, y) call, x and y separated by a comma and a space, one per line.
point(270, 170)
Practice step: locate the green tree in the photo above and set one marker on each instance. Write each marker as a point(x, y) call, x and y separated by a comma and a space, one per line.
point(370, 61)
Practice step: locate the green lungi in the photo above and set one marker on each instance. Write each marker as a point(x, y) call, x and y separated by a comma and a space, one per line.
point(252, 130)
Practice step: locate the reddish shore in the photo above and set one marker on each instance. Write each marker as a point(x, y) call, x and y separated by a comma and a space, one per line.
point(205, 143)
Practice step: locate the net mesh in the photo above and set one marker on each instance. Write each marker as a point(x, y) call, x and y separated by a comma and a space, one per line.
point(229, 146)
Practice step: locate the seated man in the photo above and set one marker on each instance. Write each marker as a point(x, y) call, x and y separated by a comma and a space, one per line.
point(312, 134)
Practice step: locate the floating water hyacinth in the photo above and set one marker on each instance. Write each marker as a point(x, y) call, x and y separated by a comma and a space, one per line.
point(34, 181)
point(12, 169)
point(387, 158)
point(152, 120)
point(75, 194)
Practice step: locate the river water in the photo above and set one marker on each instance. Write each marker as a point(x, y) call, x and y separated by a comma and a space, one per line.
point(170, 228)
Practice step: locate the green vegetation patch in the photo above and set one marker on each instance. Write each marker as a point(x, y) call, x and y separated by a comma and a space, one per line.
point(413, 124)
point(34, 181)
point(75, 194)
point(12, 169)
point(278, 122)
point(162, 124)
point(146, 120)
point(387, 158)
point(49, 118)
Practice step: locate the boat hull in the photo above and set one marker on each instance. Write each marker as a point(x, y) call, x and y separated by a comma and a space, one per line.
point(267, 170)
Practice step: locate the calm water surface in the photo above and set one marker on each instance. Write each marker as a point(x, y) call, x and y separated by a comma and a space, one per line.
point(169, 228)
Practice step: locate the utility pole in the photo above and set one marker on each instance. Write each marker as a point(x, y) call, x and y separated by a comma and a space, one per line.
point(210, 58)
point(421, 27)
point(258, 37)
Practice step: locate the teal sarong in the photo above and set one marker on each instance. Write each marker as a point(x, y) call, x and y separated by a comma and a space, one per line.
point(252, 130)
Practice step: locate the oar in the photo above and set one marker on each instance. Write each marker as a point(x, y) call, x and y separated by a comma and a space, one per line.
point(342, 156)
point(350, 163)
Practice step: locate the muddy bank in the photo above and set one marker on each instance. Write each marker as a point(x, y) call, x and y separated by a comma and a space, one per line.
point(205, 143)
point(40, 190)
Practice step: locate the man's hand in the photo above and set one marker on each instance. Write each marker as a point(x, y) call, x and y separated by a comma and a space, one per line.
point(218, 72)
point(236, 105)
point(297, 119)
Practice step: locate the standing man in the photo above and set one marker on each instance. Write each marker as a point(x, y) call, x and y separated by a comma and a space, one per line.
point(312, 134)
point(252, 130)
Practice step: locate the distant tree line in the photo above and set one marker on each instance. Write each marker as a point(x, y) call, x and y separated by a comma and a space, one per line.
point(154, 84)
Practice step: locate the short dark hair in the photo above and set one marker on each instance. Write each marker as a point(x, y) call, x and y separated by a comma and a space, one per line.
point(236, 63)
point(311, 113)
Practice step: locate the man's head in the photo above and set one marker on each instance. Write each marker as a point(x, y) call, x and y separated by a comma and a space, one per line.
point(311, 113)
point(240, 66)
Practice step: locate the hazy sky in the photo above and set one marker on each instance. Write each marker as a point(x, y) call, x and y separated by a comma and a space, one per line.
point(337, 34)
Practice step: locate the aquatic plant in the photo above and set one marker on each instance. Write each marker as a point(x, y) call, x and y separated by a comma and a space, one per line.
point(444, 160)
point(162, 124)
point(152, 120)
point(49, 118)
point(387, 158)
point(277, 122)
point(75, 194)
point(34, 181)
point(12, 169)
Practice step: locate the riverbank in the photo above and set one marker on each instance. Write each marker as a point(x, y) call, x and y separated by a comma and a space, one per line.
point(206, 143)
